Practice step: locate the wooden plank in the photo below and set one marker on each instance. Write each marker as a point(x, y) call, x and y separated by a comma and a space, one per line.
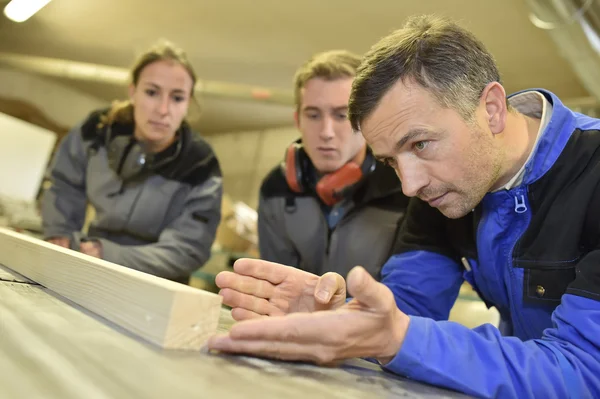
point(168, 314)
point(52, 348)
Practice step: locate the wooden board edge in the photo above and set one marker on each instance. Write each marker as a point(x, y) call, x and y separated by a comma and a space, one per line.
point(180, 302)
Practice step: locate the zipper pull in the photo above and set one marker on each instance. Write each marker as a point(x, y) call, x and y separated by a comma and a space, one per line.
point(466, 264)
point(520, 206)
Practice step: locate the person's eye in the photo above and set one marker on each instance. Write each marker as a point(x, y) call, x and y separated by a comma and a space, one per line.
point(420, 145)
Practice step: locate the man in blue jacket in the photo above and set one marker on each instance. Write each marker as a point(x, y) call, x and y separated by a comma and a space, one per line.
point(506, 196)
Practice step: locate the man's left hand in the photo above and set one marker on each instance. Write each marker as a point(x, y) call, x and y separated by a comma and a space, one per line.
point(92, 248)
point(370, 325)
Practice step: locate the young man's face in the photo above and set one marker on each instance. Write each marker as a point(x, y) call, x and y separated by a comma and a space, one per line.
point(437, 155)
point(322, 119)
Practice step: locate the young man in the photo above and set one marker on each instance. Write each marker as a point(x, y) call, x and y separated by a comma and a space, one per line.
point(507, 196)
point(330, 205)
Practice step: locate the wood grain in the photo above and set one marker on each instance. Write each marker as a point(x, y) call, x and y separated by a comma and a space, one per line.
point(168, 314)
point(52, 348)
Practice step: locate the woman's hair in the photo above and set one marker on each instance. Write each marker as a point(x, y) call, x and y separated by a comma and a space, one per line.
point(122, 111)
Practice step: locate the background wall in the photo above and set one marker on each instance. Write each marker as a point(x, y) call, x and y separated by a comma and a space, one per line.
point(247, 157)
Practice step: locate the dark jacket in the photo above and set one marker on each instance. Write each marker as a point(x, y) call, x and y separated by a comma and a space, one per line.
point(161, 221)
point(293, 230)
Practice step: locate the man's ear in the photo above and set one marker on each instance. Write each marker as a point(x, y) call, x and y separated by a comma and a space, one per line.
point(493, 99)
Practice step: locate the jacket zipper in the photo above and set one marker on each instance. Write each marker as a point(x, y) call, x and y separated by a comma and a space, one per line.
point(328, 244)
point(482, 220)
point(330, 231)
point(520, 208)
point(325, 266)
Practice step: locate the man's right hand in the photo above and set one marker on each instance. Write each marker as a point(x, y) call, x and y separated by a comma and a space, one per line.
point(61, 241)
point(260, 288)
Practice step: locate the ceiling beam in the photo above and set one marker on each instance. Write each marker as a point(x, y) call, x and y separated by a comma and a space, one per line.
point(120, 77)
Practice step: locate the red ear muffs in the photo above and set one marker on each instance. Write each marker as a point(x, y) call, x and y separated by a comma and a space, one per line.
point(293, 169)
point(331, 188)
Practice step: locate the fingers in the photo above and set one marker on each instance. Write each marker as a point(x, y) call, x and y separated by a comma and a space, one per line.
point(320, 327)
point(251, 303)
point(61, 241)
point(240, 314)
point(329, 285)
point(245, 284)
point(91, 248)
point(364, 288)
point(263, 270)
point(275, 350)
point(323, 336)
point(86, 247)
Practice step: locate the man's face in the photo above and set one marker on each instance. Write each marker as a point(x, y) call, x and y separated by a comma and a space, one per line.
point(322, 119)
point(437, 155)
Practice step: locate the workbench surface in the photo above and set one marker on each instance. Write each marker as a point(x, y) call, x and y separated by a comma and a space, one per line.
point(52, 348)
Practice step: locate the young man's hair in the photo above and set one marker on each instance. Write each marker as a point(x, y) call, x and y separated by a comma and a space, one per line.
point(328, 65)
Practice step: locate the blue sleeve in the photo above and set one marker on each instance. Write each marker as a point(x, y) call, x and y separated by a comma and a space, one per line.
point(424, 274)
point(424, 283)
point(564, 363)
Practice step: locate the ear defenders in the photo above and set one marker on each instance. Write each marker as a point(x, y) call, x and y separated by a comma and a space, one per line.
point(332, 187)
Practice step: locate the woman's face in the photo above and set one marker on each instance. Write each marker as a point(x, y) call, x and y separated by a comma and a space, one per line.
point(160, 101)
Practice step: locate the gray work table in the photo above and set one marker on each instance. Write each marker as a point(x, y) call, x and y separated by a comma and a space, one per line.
point(52, 348)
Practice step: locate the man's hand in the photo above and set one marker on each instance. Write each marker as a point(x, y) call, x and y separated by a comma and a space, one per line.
point(261, 288)
point(370, 325)
point(61, 241)
point(92, 248)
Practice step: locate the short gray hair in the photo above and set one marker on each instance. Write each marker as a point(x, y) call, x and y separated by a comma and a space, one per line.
point(436, 53)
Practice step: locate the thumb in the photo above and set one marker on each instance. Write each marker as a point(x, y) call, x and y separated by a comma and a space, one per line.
point(364, 288)
point(329, 284)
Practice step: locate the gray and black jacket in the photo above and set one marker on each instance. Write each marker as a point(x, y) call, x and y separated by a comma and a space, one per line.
point(293, 229)
point(160, 220)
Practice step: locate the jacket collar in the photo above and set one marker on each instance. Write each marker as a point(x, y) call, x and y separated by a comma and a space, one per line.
point(553, 140)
